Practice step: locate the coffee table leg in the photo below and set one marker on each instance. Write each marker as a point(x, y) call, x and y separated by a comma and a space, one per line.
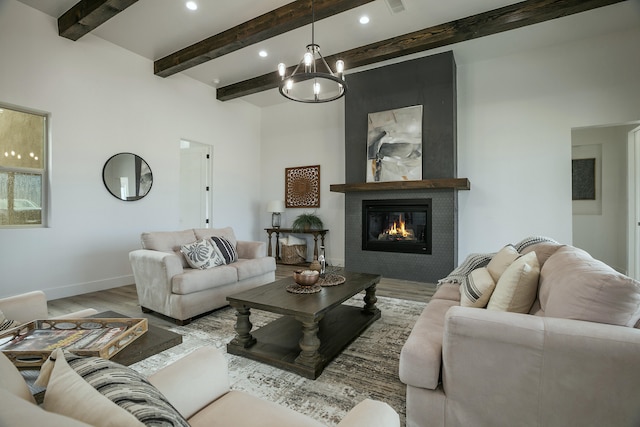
point(370, 300)
point(309, 344)
point(243, 327)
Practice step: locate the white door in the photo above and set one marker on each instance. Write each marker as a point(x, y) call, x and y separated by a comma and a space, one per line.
point(195, 185)
point(634, 203)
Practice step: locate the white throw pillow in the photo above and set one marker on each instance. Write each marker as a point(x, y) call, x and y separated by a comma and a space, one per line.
point(477, 289)
point(201, 254)
point(518, 286)
point(500, 261)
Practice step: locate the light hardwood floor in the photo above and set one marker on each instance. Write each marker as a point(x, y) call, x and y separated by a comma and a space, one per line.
point(124, 299)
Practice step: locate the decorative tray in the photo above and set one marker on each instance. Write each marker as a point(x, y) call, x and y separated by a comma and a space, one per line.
point(29, 345)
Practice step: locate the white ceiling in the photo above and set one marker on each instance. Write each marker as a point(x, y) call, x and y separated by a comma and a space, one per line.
point(156, 28)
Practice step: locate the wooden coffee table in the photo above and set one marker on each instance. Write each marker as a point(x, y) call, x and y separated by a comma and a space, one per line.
point(314, 328)
point(152, 342)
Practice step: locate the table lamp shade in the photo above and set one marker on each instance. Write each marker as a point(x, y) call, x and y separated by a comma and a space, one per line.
point(275, 206)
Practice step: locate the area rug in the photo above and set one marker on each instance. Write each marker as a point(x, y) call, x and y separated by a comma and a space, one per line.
point(368, 368)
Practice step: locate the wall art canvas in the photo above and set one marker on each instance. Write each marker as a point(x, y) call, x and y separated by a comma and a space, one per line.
point(302, 187)
point(583, 179)
point(394, 145)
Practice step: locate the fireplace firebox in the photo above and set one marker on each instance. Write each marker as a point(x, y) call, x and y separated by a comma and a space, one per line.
point(402, 225)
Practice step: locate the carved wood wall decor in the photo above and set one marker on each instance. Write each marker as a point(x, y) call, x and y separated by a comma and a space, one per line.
point(302, 187)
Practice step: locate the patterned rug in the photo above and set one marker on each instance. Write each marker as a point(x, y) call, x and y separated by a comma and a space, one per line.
point(368, 368)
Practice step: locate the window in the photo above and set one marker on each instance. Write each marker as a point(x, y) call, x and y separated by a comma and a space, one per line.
point(23, 142)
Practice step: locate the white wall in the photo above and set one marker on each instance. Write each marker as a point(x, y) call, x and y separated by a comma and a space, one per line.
point(603, 232)
point(514, 133)
point(515, 115)
point(296, 134)
point(103, 100)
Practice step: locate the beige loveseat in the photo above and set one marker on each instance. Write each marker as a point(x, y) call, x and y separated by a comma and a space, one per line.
point(167, 284)
point(572, 360)
point(196, 386)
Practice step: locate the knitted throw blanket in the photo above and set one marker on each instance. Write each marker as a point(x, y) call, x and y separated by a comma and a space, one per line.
point(478, 260)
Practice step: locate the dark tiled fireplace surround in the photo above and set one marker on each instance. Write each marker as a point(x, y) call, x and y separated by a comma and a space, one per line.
point(429, 82)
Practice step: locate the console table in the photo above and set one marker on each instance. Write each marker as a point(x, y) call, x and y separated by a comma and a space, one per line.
point(315, 233)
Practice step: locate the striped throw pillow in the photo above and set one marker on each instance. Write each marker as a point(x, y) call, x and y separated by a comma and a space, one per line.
point(226, 249)
point(121, 385)
point(7, 323)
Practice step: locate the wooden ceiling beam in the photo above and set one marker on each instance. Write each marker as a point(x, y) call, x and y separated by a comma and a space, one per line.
point(87, 15)
point(484, 24)
point(279, 21)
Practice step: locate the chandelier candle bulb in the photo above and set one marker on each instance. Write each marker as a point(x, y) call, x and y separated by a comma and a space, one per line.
point(303, 84)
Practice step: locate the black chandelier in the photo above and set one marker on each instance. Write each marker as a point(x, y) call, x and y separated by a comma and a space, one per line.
point(312, 80)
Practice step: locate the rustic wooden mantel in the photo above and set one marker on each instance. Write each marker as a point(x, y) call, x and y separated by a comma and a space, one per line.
point(425, 184)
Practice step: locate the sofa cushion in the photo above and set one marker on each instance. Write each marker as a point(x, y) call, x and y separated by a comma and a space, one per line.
point(501, 260)
point(447, 290)
point(226, 232)
point(573, 285)
point(225, 249)
point(517, 288)
point(238, 408)
point(421, 354)
point(543, 251)
point(17, 412)
point(248, 268)
point(168, 241)
point(192, 280)
point(477, 289)
point(202, 254)
point(133, 399)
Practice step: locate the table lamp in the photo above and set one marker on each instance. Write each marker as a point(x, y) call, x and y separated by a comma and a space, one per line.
point(275, 207)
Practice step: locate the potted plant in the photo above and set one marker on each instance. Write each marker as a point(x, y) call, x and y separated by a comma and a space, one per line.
point(306, 222)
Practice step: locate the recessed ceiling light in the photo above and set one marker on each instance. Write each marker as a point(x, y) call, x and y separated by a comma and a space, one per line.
point(364, 19)
point(191, 5)
point(263, 54)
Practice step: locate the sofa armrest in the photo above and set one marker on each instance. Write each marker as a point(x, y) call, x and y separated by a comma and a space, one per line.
point(193, 381)
point(153, 272)
point(512, 367)
point(251, 249)
point(371, 413)
point(25, 307)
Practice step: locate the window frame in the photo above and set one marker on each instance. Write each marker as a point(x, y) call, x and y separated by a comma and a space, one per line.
point(42, 172)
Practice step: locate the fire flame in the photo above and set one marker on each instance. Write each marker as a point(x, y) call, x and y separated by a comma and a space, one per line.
point(398, 229)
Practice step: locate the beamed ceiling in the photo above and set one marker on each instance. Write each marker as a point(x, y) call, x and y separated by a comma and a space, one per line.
point(218, 44)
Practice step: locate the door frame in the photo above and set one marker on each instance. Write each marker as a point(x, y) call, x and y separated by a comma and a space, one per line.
point(633, 205)
point(207, 165)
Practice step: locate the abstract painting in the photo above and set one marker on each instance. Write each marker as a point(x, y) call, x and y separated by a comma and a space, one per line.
point(583, 179)
point(394, 145)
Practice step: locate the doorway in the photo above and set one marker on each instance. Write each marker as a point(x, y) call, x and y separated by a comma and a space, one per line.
point(196, 161)
point(603, 210)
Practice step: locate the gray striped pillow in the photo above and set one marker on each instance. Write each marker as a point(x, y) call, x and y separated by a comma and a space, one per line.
point(127, 389)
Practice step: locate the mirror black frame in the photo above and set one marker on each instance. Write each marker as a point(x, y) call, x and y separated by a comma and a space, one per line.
point(139, 170)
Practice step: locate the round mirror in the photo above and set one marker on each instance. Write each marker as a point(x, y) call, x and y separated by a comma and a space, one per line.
point(127, 176)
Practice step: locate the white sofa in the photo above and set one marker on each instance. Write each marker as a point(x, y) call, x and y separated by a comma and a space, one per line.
point(197, 387)
point(33, 305)
point(572, 359)
point(166, 284)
